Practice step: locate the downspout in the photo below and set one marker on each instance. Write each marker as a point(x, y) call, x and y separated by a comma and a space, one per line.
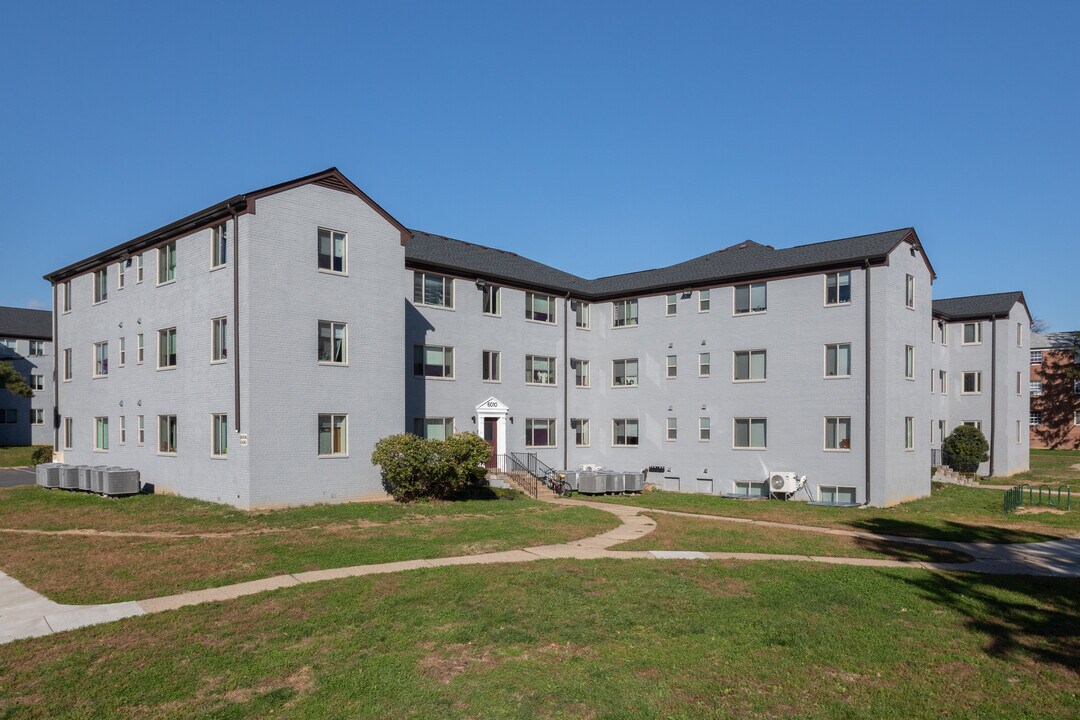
point(993, 386)
point(566, 382)
point(866, 361)
point(236, 316)
point(56, 373)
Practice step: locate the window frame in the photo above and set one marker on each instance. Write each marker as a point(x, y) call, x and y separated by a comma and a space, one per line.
point(219, 248)
point(422, 364)
point(1035, 388)
point(978, 382)
point(139, 268)
point(582, 379)
point(671, 367)
point(978, 334)
point(219, 436)
point(1035, 357)
point(838, 302)
point(704, 364)
point(166, 274)
point(331, 237)
point(339, 431)
point(750, 354)
point(120, 275)
point(582, 314)
point(621, 317)
point(1034, 418)
point(101, 434)
point(37, 416)
point(420, 427)
point(332, 326)
point(491, 300)
point(750, 421)
point(671, 305)
point(123, 429)
point(580, 426)
point(161, 333)
point(531, 315)
point(835, 489)
point(749, 299)
point(531, 371)
point(68, 434)
point(909, 434)
point(66, 370)
point(531, 426)
point(625, 376)
point(65, 303)
point(140, 430)
point(219, 339)
point(121, 359)
point(101, 359)
point(491, 366)
point(625, 432)
point(37, 382)
point(420, 290)
point(37, 348)
point(909, 292)
point(704, 300)
point(168, 435)
point(943, 382)
point(838, 442)
point(909, 362)
point(671, 431)
point(101, 286)
point(704, 428)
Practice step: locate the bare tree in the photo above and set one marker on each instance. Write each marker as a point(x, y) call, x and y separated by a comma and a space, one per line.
point(1038, 325)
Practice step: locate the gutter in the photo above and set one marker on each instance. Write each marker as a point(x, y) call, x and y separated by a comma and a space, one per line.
point(566, 382)
point(866, 409)
point(56, 374)
point(993, 386)
point(236, 314)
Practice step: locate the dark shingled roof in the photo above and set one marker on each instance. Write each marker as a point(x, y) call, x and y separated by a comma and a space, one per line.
point(744, 260)
point(25, 323)
point(978, 306)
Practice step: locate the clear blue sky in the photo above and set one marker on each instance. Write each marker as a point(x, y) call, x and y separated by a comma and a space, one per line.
point(597, 137)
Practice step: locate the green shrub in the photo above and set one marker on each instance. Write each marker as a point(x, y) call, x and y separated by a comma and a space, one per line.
point(414, 468)
point(965, 449)
point(41, 454)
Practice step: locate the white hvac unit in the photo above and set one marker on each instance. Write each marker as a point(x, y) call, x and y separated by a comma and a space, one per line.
point(785, 482)
point(590, 468)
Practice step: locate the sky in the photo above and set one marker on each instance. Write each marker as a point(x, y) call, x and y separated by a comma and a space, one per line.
point(596, 137)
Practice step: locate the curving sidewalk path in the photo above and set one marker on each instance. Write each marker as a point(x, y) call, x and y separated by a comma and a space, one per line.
point(25, 613)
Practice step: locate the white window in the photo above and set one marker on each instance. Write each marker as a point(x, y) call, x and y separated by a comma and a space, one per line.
point(1036, 388)
point(750, 299)
point(624, 432)
point(433, 361)
point(101, 433)
point(972, 383)
point(140, 429)
point(671, 305)
point(101, 285)
point(8, 416)
point(333, 435)
point(140, 349)
point(944, 327)
point(69, 433)
point(540, 432)
point(37, 348)
point(838, 288)
point(581, 373)
point(751, 488)
point(909, 433)
point(219, 339)
point(123, 352)
point(1076, 418)
point(750, 433)
point(977, 424)
point(219, 432)
point(909, 291)
point(166, 269)
point(492, 360)
point(1035, 419)
point(492, 300)
point(67, 365)
point(838, 433)
point(909, 362)
point(1018, 383)
point(672, 366)
point(672, 429)
point(933, 380)
point(624, 372)
point(433, 290)
point(123, 429)
point(749, 365)
point(65, 296)
point(167, 434)
point(972, 333)
point(704, 429)
point(540, 370)
point(1019, 335)
point(837, 494)
point(1019, 430)
point(333, 247)
point(624, 313)
point(101, 359)
point(580, 426)
point(433, 428)
point(333, 343)
point(704, 300)
point(1036, 357)
point(540, 308)
point(941, 430)
point(166, 348)
point(943, 382)
point(219, 247)
point(704, 366)
point(37, 417)
point(37, 382)
point(138, 268)
point(120, 275)
point(581, 314)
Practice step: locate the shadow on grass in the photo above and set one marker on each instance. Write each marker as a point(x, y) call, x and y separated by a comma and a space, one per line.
point(949, 530)
point(911, 551)
point(1037, 617)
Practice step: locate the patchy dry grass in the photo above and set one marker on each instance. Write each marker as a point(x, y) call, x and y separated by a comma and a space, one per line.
point(564, 639)
point(1048, 467)
point(16, 456)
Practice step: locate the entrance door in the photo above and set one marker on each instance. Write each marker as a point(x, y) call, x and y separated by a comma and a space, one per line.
point(491, 434)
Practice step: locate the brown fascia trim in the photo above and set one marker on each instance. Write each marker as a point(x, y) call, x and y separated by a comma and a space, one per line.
point(912, 238)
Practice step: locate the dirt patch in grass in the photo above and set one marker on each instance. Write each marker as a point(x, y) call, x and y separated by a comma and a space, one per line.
point(448, 661)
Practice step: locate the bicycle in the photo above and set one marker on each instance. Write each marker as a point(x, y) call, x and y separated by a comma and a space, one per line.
point(559, 485)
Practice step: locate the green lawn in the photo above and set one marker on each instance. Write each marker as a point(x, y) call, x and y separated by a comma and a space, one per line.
point(237, 546)
point(592, 639)
point(16, 456)
point(951, 512)
point(1050, 467)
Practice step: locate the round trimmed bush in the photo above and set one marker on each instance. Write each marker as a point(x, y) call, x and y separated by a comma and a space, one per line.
point(965, 449)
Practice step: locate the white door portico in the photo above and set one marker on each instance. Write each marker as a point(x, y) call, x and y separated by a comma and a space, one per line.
point(491, 424)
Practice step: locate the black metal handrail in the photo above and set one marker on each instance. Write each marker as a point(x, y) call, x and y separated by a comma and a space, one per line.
point(535, 467)
point(528, 482)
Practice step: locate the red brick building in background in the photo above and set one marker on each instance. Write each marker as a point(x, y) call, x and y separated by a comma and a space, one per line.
point(1055, 390)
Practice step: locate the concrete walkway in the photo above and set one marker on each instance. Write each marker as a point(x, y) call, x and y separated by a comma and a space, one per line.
point(25, 613)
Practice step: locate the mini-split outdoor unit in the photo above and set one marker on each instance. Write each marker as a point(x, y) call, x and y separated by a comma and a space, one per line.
point(785, 482)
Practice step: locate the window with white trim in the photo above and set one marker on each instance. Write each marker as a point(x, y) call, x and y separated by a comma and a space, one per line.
point(138, 268)
point(432, 290)
point(580, 426)
point(748, 365)
point(492, 300)
point(101, 285)
point(972, 333)
point(219, 339)
point(433, 428)
point(101, 433)
point(972, 383)
point(1035, 419)
point(492, 361)
point(837, 494)
point(65, 296)
point(704, 364)
point(624, 432)
point(37, 348)
point(977, 424)
point(540, 432)
point(943, 382)
point(69, 434)
point(540, 308)
point(37, 417)
point(123, 429)
point(704, 429)
point(624, 313)
point(672, 429)
point(581, 314)
point(944, 327)
point(219, 247)
point(1019, 335)
point(750, 488)
point(37, 382)
point(120, 275)
point(140, 429)
point(704, 301)
point(1036, 388)
point(909, 362)
point(1018, 383)
point(1076, 417)
point(838, 288)
point(909, 291)
point(671, 305)
point(433, 361)
point(333, 247)
point(167, 434)
point(122, 360)
point(219, 434)
point(581, 373)
point(101, 359)
point(672, 366)
point(751, 299)
point(67, 364)
point(838, 433)
point(909, 433)
point(333, 435)
point(750, 433)
point(333, 343)
point(624, 372)
point(540, 370)
point(140, 349)
point(166, 271)
point(1036, 357)
point(166, 348)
